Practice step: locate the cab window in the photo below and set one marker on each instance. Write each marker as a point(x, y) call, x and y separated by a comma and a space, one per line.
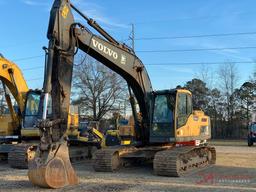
point(182, 105)
point(184, 109)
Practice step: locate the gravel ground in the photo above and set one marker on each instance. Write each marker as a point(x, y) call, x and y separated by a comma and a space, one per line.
point(235, 171)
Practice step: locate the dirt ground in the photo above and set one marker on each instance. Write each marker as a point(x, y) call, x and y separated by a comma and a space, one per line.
point(235, 170)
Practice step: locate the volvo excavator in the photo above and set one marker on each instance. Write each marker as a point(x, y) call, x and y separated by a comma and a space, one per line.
point(18, 135)
point(166, 131)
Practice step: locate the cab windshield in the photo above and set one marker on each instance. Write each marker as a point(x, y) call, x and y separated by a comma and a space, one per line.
point(163, 116)
point(32, 109)
point(163, 109)
point(32, 106)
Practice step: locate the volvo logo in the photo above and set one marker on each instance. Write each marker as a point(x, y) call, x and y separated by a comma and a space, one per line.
point(104, 49)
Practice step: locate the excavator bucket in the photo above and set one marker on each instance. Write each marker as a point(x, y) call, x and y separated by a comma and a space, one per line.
point(56, 172)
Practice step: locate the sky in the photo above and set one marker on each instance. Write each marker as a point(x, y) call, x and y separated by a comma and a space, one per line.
point(24, 25)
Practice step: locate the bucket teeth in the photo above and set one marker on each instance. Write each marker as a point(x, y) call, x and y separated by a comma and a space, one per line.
point(55, 172)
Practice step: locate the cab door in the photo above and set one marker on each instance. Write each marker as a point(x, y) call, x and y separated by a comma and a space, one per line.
point(183, 112)
point(162, 127)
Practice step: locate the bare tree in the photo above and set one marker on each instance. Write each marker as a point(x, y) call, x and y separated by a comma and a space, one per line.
point(98, 90)
point(228, 79)
point(205, 73)
point(252, 77)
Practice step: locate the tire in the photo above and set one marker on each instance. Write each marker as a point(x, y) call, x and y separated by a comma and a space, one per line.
point(250, 143)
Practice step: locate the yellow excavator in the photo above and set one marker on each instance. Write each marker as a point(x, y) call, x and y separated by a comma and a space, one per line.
point(9, 75)
point(122, 131)
point(166, 131)
point(11, 124)
point(18, 135)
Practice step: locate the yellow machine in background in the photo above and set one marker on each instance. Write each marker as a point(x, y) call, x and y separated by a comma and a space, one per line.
point(78, 134)
point(122, 133)
point(12, 78)
point(91, 134)
point(17, 127)
point(84, 141)
point(18, 134)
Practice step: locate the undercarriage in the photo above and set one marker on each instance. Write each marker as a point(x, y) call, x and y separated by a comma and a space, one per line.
point(167, 160)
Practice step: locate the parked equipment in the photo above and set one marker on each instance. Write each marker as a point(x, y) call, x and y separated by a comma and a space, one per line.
point(10, 74)
point(11, 125)
point(18, 134)
point(251, 134)
point(166, 132)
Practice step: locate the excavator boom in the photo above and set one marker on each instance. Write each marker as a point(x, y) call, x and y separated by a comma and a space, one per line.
point(12, 78)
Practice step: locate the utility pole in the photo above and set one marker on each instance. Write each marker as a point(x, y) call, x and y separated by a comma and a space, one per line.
point(132, 37)
point(132, 101)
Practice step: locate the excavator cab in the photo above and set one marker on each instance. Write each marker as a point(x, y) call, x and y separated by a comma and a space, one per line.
point(31, 115)
point(162, 129)
point(173, 118)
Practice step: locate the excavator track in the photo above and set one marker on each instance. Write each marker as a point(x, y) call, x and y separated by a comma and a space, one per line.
point(78, 154)
point(183, 160)
point(18, 157)
point(107, 160)
point(110, 159)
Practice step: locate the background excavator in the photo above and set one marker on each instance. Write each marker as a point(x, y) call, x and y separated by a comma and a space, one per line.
point(9, 74)
point(166, 131)
point(11, 131)
point(18, 135)
point(122, 131)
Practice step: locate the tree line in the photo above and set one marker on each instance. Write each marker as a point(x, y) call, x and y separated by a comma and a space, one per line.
point(230, 107)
